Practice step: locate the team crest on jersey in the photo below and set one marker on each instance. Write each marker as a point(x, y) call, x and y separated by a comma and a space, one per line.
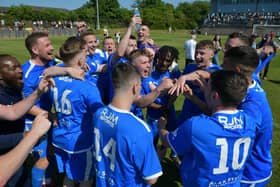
point(109, 117)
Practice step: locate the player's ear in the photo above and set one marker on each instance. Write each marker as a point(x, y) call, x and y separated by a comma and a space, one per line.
point(136, 88)
point(215, 95)
point(35, 49)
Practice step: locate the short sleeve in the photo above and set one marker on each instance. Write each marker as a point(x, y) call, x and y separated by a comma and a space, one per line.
point(93, 98)
point(180, 139)
point(145, 157)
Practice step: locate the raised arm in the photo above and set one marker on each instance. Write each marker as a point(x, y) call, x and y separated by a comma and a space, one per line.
point(124, 41)
point(56, 70)
point(148, 99)
point(12, 160)
point(17, 110)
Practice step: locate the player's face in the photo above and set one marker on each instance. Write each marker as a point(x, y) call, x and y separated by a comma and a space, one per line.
point(233, 42)
point(91, 43)
point(203, 57)
point(81, 27)
point(132, 45)
point(11, 73)
point(143, 64)
point(44, 49)
point(143, 33)
point(109, 45)
point(164, 63)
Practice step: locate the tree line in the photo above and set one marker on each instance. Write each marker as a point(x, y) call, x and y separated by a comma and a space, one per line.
point(156, 13)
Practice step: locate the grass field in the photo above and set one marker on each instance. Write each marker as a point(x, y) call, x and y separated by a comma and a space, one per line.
point(171, 177)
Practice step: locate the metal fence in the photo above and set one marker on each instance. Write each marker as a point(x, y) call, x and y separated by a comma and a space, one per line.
point(10, 33)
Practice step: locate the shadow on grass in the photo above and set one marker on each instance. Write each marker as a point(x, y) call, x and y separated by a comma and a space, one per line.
point(171, 175)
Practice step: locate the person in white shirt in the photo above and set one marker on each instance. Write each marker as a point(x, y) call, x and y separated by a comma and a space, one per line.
point(189, 47)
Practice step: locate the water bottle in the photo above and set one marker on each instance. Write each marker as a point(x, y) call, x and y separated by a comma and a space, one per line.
point(137, 14)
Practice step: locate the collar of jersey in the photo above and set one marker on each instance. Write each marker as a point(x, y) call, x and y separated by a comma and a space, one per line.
point(226, 112)
point(117, 109)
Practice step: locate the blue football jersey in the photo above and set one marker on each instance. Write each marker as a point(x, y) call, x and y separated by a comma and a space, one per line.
point(259, 165)
point(74, 101)
point(124, 151)
point(214, 148)
point(189, 109)
point(154, 114)
point(32, 75)
point(93, 62)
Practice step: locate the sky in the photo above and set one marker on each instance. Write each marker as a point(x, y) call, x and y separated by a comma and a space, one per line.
point(72, 4)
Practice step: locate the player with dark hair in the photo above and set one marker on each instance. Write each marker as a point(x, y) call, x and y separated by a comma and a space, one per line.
point(215, 147)
point(124, 151)
point(258, 168)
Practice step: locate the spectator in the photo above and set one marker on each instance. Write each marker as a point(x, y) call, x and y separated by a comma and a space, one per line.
point(81, 27)
point(118, 37)
point(189, 47)
point(218, 47)
point(253, 38)
point(267, 40)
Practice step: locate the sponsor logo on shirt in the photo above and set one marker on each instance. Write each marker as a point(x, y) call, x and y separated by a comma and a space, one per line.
point(231, 123)
point(109, 117)
point(225, 182)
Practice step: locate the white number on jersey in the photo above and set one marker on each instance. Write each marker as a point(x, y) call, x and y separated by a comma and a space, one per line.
point(223, 168)
point(109, 149)
point(64, 105)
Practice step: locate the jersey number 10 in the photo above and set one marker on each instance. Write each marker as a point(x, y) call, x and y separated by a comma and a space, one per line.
point(223, 168)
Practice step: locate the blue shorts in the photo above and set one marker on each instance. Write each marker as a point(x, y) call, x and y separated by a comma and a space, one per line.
point(40, 150)
point(78, 166)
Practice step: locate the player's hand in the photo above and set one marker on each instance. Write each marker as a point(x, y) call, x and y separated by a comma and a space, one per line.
point(76, 73)
point(41, 124)
point(85, 67)
point(134, 20)
point(150, 41)
point(188, 93)
point(178, 86)
point(53, 118)
point(44, 85)
point(165, 85)
point(267, 50)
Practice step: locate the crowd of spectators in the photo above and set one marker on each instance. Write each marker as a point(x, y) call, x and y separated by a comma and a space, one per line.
point(272, 18)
